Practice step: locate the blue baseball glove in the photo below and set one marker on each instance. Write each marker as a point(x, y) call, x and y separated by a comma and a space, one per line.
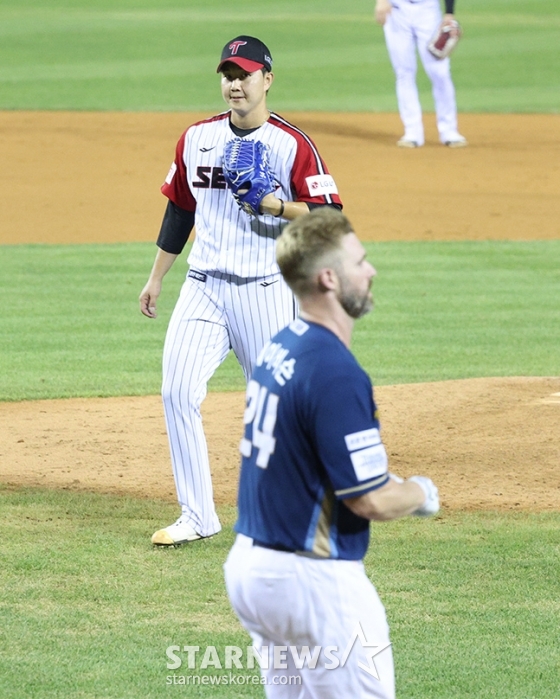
point(247, 173)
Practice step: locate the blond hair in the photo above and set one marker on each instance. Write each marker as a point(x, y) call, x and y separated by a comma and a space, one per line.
point(307, 243)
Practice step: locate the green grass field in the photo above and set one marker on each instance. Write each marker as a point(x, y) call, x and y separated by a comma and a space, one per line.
point(148, 55)
point(443, 311)
point(88, 608)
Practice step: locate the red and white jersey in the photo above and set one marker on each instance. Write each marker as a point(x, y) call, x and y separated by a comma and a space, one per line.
point(227, 239)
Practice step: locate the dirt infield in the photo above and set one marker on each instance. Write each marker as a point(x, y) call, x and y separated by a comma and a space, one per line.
point(488, 443)
point(79, 177)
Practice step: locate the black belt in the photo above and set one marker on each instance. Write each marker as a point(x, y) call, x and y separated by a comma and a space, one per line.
point(273, 547)
point(231, 278)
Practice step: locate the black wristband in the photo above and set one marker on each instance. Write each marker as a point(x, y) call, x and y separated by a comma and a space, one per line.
point(281, 209)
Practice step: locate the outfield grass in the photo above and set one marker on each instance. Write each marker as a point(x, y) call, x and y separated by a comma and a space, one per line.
point(71, 324)
point(162, 54)
point(88, 608)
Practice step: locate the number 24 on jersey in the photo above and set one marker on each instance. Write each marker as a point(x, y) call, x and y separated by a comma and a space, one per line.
point(262, 407)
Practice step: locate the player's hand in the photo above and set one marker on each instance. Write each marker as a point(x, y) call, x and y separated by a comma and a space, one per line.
point(431, 503)
point(451, 22)
point(148, 299)
point(382, 11)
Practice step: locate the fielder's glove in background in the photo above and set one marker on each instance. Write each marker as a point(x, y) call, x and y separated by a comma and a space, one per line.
point(445, 39)
point(247, 172)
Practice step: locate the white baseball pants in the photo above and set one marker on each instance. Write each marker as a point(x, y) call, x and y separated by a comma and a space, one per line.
point(410, 26)
point(210, 318)
point(288, 600)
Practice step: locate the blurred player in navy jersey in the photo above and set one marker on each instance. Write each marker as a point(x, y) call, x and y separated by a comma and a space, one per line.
point(314, 473)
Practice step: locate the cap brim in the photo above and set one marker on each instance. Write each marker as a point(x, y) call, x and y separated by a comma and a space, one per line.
point(245, 63)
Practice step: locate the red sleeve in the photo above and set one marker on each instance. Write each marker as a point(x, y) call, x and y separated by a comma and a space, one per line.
point(311, 180)
point(176, 186)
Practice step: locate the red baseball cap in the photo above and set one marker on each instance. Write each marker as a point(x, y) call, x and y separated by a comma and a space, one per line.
point(246, 52)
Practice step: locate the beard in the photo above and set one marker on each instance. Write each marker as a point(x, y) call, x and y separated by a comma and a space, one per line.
point(355, 304)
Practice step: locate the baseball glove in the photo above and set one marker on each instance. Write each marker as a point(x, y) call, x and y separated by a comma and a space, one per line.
point(445, 39)
point(247, 172)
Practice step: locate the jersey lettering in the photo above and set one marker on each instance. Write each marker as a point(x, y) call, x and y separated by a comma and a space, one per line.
point(260, 401)
point(218, 179)
point(202, 174)
point(210, 177)
point(273, 355)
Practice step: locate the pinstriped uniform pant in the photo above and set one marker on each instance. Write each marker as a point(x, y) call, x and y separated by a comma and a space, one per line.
point(215, 313)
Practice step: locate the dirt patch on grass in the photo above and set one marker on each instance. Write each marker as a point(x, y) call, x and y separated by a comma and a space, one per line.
point(79, 177)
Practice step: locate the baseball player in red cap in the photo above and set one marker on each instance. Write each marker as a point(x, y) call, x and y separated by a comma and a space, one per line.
point(234, 296)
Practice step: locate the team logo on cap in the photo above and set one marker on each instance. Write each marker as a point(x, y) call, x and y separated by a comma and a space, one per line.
point(234, 46)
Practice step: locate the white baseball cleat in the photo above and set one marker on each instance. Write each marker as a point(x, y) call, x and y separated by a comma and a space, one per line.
point(456, 141)
point(407, 143)
point(175, 534)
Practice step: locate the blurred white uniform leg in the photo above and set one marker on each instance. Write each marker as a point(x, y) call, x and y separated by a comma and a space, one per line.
point(409, 27)
point(284, 599)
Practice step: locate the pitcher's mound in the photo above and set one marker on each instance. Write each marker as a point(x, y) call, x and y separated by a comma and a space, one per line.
point(487, 443)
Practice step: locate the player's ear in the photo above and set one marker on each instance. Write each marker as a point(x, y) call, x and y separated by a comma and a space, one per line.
point(268, 80)
point(327, 279)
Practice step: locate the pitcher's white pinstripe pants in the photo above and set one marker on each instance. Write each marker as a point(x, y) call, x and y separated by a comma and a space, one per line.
point(215, 313)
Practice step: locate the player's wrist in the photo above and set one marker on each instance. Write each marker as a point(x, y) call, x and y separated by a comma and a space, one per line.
point(273, 206)
point(430, 499)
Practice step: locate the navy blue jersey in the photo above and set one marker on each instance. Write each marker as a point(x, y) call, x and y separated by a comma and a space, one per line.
point(311, 440)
